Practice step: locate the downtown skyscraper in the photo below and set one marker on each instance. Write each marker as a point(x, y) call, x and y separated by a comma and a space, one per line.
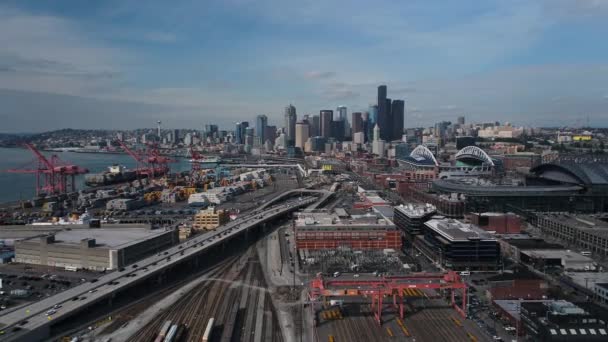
point(260, 128)
point(326, 118)
point(383, 114)
point(290, 124)
point(397, 118)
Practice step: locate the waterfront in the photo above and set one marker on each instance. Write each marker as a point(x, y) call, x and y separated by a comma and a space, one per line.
point(16, 186)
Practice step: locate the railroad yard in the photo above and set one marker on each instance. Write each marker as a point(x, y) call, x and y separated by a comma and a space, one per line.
point(233, 294)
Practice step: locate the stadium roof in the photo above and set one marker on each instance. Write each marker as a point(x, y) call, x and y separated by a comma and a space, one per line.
point(574, 173)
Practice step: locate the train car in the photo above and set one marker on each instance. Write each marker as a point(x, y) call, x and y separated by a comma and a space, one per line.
point(208, 330)
point(181, 332)
point(171, 333)
point(162, 333)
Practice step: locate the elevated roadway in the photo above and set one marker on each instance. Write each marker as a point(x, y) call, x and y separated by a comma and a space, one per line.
point(33, 322)
point(325, 195)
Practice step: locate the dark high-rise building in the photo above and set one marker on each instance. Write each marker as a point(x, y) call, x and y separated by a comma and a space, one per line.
point(337, 130)
point(326, 118)
point(386, 132)
point(249, 133)
point(366, 122)
point(210, 130)
point(290, 124)
point(270, 133)
point(342, 111)
point(239, 133)
point(176, 136)
point(383, 111)
point(357, 122)
point(318, 144)
point(244, 125)
point(397, 117)
point(260, 127)
point(315, 126)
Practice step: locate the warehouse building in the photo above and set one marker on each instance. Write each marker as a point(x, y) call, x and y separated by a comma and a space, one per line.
point(210, 218)
point(320, 229)
point(560, 259)
point(458, 246)
point(93, 249)
point(582, 231)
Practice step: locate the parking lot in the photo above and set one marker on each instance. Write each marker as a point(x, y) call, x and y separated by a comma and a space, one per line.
point(35, 282)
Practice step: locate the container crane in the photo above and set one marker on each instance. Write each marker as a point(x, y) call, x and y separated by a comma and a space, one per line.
point(53, 176)
point(149, 163)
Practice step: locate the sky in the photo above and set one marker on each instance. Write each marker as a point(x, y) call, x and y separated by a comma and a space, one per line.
point(127, 63)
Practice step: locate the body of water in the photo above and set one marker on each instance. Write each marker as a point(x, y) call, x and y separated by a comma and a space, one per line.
point(15, 186)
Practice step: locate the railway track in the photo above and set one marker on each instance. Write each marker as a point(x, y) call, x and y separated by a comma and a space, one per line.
point(186, 309)
point(233, 296)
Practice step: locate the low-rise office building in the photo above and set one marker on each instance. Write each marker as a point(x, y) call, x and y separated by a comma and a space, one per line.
point(410, 218)
point(93, 249)
point(458, 246)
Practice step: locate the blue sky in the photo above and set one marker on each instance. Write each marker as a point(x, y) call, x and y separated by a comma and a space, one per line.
point(112, 64)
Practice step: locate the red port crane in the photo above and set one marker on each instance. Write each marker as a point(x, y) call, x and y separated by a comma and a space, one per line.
point(149, 163)
point(53, 176)
point(396, 286)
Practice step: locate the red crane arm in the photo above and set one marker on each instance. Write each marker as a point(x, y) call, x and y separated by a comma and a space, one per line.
point(135, 156)
point(39, 155)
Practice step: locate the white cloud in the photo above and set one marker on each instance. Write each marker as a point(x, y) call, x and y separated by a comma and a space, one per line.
point(315, 75)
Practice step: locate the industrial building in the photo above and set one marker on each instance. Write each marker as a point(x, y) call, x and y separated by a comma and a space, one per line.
point(582, 231)
point(321, 229)
point(561, 321)
point(210, 218)
point(500, 223)
point(458, 246)
point(545, 259)
point(511, 245)
point(521, 284)
point(410, 218)
point(94, 249)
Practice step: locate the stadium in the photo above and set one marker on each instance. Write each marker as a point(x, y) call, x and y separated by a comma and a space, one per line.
point(470, 161)
point(566, 186)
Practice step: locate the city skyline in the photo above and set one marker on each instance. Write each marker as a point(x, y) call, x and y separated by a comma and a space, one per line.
point(121, 65)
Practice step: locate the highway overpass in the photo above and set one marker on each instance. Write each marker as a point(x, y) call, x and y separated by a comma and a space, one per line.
point(31, 322)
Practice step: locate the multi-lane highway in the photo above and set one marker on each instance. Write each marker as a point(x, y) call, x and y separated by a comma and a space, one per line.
point(32, 322)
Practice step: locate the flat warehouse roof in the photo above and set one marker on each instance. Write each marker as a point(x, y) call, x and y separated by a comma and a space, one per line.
point(110, 238)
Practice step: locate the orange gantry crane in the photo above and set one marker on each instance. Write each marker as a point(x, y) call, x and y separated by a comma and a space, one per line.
point(53, 176)
point(390, 286)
